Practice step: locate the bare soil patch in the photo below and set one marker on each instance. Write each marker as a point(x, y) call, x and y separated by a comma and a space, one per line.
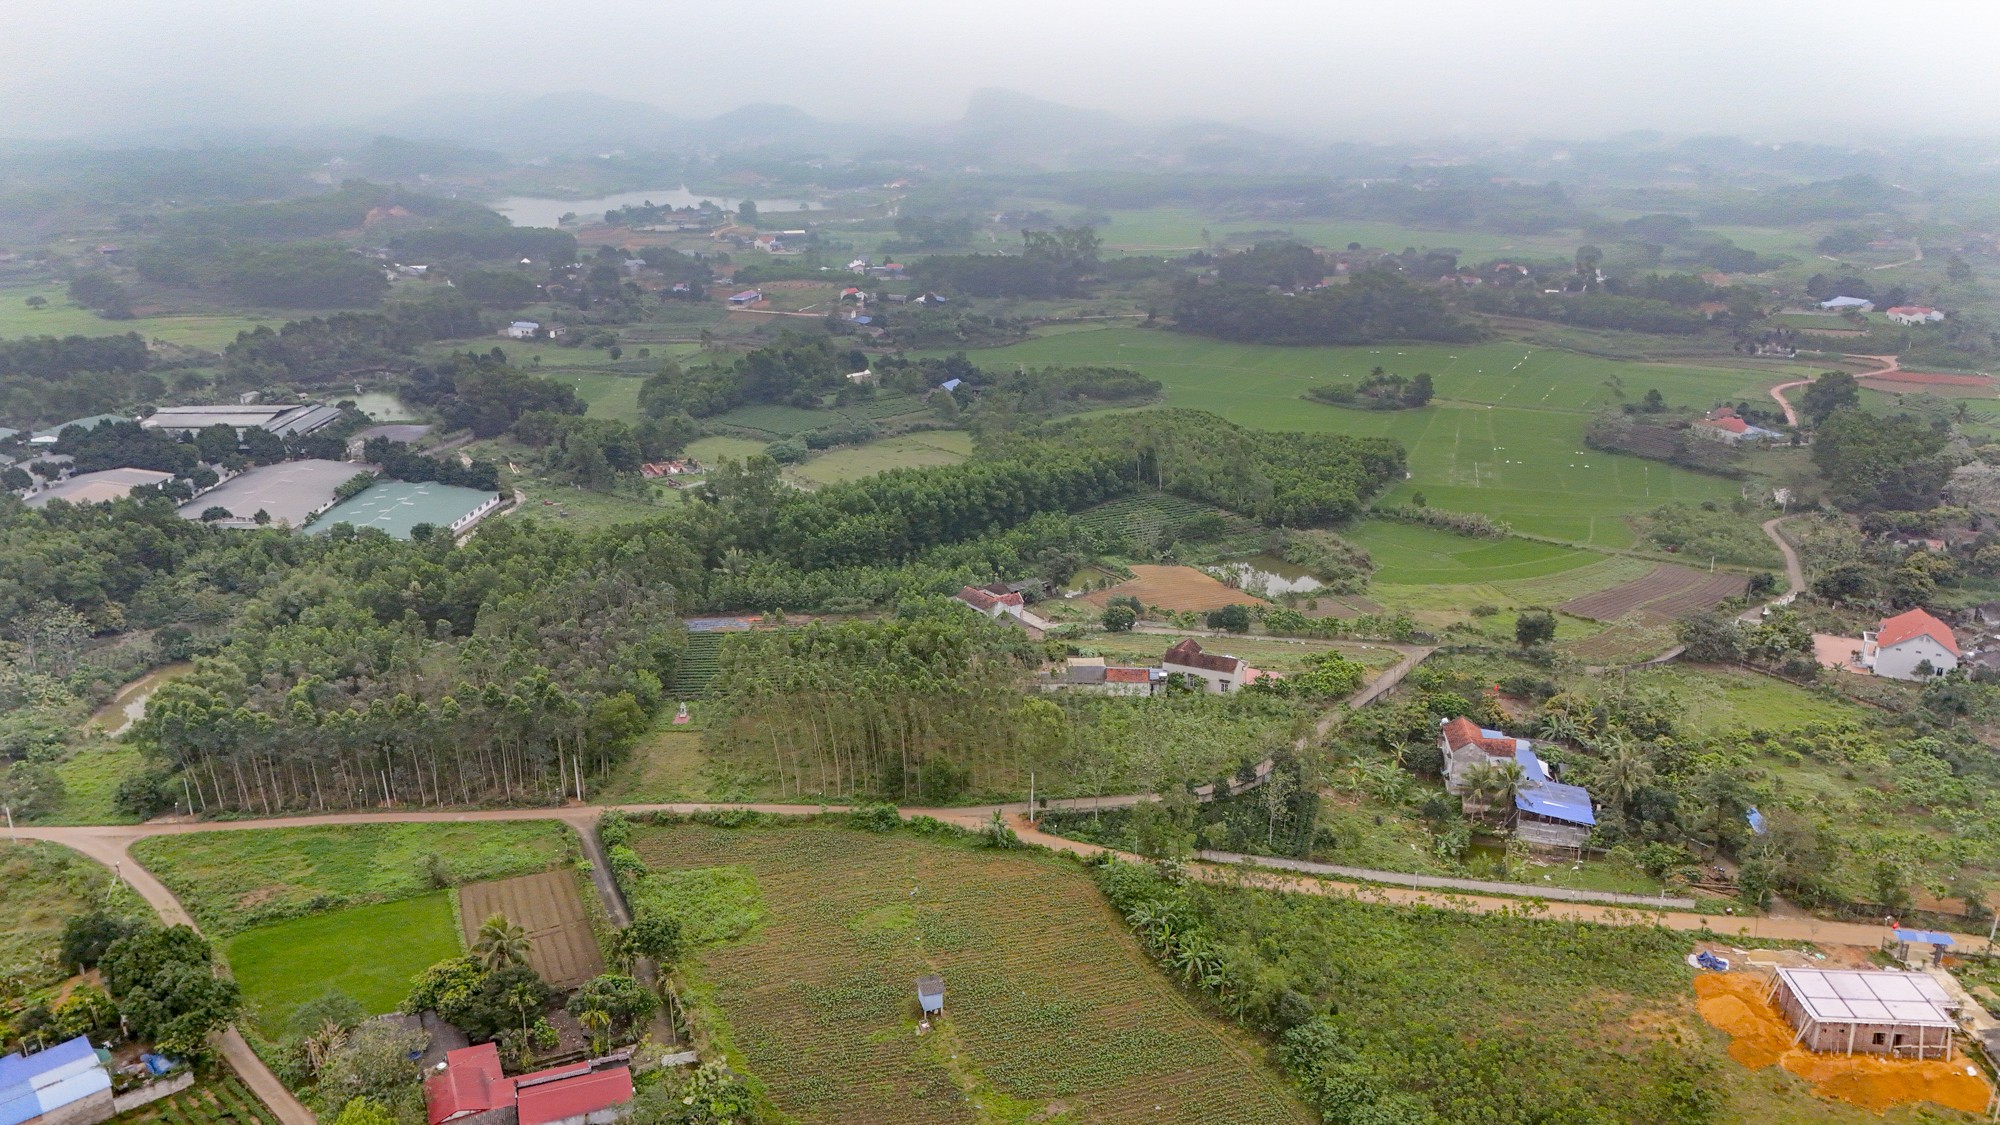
point(1759, 1037)
point(548, 906)
point(1177, 588)
point(1930, 379)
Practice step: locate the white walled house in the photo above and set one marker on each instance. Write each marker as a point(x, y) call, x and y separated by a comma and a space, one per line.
point(1902, 645)
point(1221, 673)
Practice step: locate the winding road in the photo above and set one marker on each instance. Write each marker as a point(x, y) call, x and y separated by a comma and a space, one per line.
point(1889, 363)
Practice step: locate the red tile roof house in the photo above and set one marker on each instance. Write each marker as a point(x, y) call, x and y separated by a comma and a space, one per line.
point(470, 1087)
point(997, 601)
point(1901, 647)
point(1220, 671)
point(1907, 315)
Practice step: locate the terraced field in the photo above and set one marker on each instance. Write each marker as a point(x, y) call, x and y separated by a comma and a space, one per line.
point(1052, 1009)
point(698, 666)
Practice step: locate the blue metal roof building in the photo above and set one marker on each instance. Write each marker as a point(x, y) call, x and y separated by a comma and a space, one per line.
point(1545, 797)
point(63, 1075)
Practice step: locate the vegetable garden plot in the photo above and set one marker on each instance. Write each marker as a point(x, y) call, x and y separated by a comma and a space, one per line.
point(1665, 580)
point(225, 1102)
point(1049, 1000)
point(550, 907)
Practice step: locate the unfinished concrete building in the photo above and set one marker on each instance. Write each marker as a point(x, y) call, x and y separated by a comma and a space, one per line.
point(1869, 1012)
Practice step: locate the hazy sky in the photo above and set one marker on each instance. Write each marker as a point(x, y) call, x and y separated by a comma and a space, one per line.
point(1366, 70)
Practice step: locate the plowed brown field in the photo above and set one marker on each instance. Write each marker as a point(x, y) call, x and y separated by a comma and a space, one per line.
point(1667, 593)
point(548, 906)
point(1178, 588)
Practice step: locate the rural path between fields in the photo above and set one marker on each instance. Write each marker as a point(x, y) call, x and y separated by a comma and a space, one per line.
point(1795, 574)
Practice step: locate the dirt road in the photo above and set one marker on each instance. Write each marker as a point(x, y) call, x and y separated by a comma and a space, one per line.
point(1889, 363)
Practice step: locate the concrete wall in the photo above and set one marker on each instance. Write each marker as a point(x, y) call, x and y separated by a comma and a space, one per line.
point(152, 1091)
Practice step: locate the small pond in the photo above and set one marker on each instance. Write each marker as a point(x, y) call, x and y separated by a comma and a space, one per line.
point(1269, 576)
point(384, 407)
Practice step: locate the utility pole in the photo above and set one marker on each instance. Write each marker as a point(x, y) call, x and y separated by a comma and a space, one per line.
point(13, 835)
point(1031, 803)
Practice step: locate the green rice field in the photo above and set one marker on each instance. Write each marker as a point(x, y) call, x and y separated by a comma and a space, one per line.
point(367, 952)
point(1415, 555)
point(1503, 437)
point(60, 318)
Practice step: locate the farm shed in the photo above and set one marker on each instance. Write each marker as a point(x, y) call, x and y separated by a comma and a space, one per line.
point(1849, 1011)
point(930, 994)
point(64, 1085)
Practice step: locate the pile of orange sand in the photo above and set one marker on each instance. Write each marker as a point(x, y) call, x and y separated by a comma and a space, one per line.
point(1759, 1036)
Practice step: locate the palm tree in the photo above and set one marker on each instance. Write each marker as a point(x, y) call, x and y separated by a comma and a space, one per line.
point(1497, 784)
point(501, 944)
point(597, 1021)
point(1624, 773)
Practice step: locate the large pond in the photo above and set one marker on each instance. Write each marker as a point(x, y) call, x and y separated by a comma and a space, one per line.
point(532, 211)
point(1269, 576)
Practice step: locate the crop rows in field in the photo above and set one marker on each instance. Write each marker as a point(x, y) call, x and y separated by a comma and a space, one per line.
point(225, 1102)
point(1156, 517)
point(550, 908)
point(1048, 998)
point(1666, 593)
point(1624, 643)
point(885, 406)
point(698, 666)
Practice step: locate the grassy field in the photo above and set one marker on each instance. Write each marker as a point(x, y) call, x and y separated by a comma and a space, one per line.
point(231, 881)
point(1504, 437)
point(1415, 555)
point(1051, 1006)
point(708, 450)
point(90, 777)
point(666, 765)
point(1721, 699)
point(60, 318)
point(924, 450)
point(367, 952)
point(1156, 229)
point(41, 885)
point(614, 397)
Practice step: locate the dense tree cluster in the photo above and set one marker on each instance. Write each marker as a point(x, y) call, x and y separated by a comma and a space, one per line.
point(1873, 462)
point(1051, 264)
point(1289, 479)
point(322, 348)
point(796, 370)
point(919, 707)
point(486, 395)
point(1375, 305)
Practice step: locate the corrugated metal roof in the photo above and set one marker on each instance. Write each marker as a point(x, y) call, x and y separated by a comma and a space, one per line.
point(1864, 996)
point(572, 1097)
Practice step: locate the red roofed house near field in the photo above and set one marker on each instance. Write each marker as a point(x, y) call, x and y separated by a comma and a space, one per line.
point(470, 1087)
point(1910, 646)
point(1908, 315)
point(1221, 672)
point(997, 601)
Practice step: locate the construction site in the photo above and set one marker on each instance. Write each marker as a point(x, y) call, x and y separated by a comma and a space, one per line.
point(1873, 1037)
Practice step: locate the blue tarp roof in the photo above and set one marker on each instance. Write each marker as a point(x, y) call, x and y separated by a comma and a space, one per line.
point(1756, 820)
point(1544, 797)
point(1557, 801)
point(1928, 937)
